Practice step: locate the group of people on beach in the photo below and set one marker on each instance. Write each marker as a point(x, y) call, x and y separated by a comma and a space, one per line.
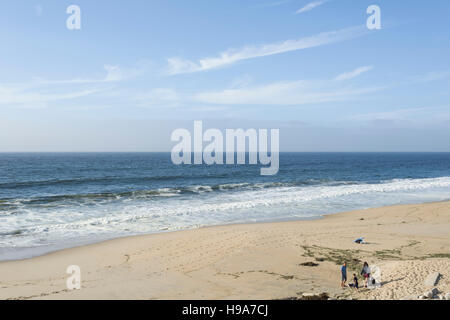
point(365, 272)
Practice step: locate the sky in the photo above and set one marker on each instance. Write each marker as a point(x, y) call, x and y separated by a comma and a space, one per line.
point(137, 70)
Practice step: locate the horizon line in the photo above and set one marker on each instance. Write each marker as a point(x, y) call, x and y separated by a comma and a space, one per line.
point(9, 152)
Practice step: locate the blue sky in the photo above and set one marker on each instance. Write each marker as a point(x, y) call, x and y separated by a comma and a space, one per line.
point(139, 69)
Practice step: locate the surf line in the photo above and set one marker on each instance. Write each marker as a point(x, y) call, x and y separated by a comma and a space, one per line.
point(236, 146)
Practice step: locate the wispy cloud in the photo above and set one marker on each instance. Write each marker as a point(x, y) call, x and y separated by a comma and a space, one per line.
point(310, 6)
point(286, 93)
point(354, 73)
point(431, 76)
point(40, 92)
point(230, 56)
point(272, 4)
point(26, 98)
point(409, 115)
point(283, 93)
point(113, 74)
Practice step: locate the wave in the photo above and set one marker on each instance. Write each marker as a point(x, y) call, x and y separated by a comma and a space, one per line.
point(103, 179)
point(224, 207)
point(137, 194)
point(341, 188)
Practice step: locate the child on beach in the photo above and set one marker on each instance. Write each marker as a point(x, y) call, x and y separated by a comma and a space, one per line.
point(355, 282)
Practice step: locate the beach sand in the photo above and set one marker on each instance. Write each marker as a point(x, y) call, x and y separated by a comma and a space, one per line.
point(251, 261)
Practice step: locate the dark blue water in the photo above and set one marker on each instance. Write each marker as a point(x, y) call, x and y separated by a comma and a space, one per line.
point(50, 201)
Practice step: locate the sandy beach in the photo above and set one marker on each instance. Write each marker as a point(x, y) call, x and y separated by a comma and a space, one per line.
point(251, 261)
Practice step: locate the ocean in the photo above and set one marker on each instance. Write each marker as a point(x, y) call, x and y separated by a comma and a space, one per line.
point(51, 201)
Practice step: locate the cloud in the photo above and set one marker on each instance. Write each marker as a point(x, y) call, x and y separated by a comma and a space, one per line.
point(240, 92)
point(285, 93)
point(354, 73)
point(230, 56)
point(39, 92)
point(421, 115)
point(310, 6)
point(431, 76)
point(113, 74)
point(272, 4)
point(18, 96)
